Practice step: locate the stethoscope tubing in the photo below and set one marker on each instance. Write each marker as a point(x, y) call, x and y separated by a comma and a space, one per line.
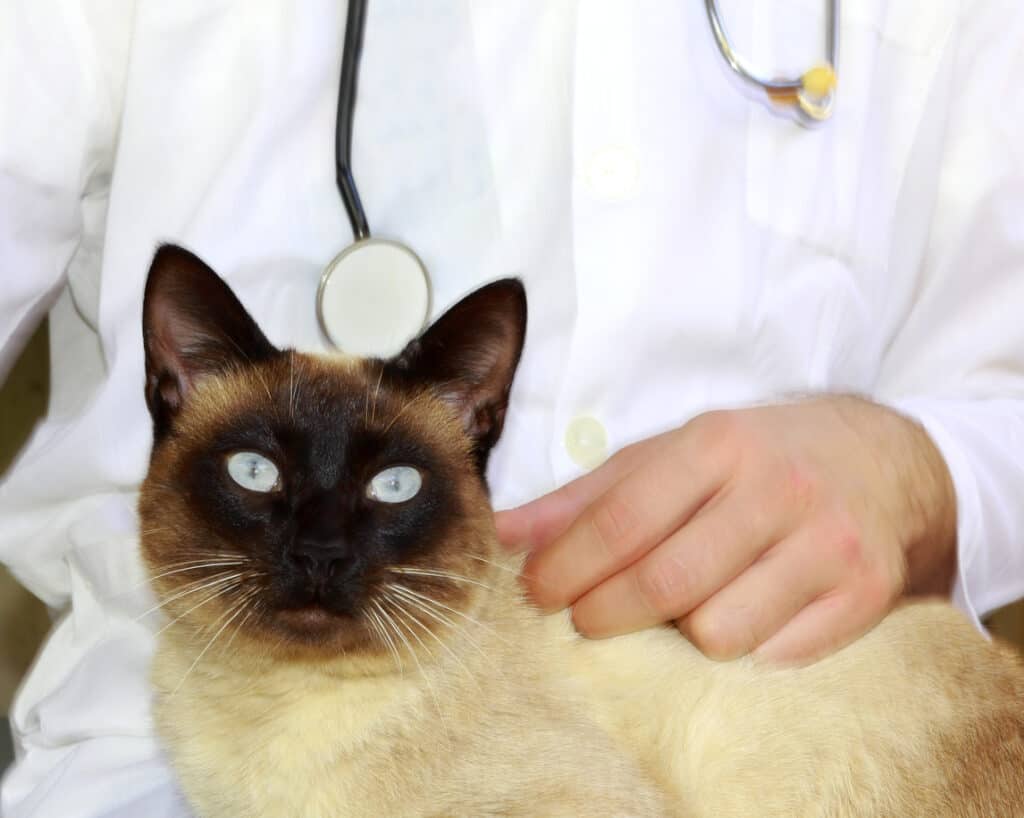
point(372, 272)
point(375, 295)
point(355, 27)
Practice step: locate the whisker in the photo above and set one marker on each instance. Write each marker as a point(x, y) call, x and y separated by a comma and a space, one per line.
point(401, 613)
point(433, 693)
point(213, 596)
point(444, 620)
point(403, 591)
point(441, 605)
point(241, 624)
point(440, 574)
point(389, 642)
point(494, 564)
point(244, 597)
point(390, 626)
point(204, 556)
point(197, 567)
point(238, 609)
point(376, 395)
point(175, 568)
point(190, 588)
point(516, 572)
point(409, 403)
point(397, 603)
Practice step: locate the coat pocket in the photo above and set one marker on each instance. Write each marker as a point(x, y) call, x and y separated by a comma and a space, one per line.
point(835, 187)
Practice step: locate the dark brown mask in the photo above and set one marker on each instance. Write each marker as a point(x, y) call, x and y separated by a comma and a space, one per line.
point(298, 499)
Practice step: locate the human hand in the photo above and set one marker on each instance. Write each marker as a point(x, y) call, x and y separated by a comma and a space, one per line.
point(786, 530)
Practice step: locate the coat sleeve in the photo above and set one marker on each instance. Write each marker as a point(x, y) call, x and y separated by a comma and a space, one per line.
point(957, 362)
point(62, 66)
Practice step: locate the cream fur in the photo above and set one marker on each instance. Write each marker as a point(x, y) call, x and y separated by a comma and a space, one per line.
point(496, 726)
point(512, 714)
point(527, 719)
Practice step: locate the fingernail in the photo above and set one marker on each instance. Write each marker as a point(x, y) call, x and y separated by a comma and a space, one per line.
point(581, 628)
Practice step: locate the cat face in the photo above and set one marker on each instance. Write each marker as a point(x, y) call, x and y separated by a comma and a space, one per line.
point(307, 502)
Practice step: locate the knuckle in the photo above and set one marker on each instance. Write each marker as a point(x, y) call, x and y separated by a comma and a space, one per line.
point(875, 580)
point(800, 485)
point(629, 454)
point(849, 548)
point(712, 635)
point(614, 524)
point(845, 541)
point(761, 515)
point(626, 459)
point(878, 589)
point(662, 587)
point(716, 428)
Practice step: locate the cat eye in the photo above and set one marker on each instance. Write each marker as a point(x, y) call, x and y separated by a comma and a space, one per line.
point(395, 485)
point(253, 471)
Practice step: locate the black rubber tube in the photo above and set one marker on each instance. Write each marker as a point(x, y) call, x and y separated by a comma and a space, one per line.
point(355, 25)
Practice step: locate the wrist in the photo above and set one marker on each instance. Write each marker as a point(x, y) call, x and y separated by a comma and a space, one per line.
point(923, 501)
point(932, 555)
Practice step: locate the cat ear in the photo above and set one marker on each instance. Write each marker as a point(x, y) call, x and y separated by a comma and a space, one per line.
point(192, 326)
point(469, 356)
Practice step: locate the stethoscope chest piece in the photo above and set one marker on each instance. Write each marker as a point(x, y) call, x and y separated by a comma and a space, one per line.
point(374, 298)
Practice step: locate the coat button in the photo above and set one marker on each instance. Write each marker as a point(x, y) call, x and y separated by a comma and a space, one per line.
point(586, 442)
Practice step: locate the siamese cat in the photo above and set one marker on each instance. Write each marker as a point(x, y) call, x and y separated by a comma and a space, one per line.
point(347, 638)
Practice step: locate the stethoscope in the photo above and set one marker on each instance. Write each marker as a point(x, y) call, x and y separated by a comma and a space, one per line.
point(808, 99)
point(375, 295)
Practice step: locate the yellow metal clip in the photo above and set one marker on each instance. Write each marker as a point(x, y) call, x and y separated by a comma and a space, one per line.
point(817, 88)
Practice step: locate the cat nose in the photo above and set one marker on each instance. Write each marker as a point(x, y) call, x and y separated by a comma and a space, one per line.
point(318, 560)
point(316, 565)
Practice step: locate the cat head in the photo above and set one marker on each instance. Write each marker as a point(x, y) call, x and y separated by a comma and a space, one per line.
point(306, 501)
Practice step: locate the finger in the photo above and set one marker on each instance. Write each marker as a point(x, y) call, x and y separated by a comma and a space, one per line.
point(709, 551)
point(536, 524)
point(761, 600)
point(626, 521)
point(513, 528)
point(824, 626)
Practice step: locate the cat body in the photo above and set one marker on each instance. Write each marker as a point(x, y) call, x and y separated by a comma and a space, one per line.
point(496, 727)
point(642, 724)
point(347, 638)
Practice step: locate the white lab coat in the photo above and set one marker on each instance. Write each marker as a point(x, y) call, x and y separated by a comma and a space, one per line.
point(682, 249)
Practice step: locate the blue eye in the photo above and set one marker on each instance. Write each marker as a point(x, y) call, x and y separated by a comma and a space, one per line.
point(395, 485)
point(253, 471)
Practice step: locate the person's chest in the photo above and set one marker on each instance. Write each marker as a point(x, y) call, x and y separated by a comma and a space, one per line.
point(682, 247)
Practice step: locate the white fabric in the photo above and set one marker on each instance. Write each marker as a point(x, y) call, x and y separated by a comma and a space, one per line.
point(682, 249)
